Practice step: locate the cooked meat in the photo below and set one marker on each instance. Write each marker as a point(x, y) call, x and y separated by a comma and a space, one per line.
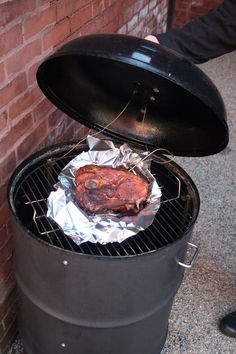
point(105, 189)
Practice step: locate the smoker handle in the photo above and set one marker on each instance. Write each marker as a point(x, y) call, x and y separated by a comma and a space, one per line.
point(191, 263)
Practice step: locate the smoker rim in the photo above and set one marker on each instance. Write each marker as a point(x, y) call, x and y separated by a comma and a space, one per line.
point(37, 156)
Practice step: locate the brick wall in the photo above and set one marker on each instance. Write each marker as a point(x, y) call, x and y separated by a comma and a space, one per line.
point(188, 10)
point(30, 30)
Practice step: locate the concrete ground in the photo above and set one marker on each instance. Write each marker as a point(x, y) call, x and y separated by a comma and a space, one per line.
point(208, 291)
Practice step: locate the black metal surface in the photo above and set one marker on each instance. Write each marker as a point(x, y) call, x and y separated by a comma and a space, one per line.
point(121, 305)
point(92, 78)
point(111, 299)
point(30, 203)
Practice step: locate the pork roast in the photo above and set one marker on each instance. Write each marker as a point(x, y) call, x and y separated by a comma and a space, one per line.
point(102, 189)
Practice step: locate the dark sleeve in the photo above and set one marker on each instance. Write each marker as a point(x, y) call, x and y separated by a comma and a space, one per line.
point(207, 37)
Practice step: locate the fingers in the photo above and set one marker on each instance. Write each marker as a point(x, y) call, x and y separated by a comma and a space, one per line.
point(152, 39)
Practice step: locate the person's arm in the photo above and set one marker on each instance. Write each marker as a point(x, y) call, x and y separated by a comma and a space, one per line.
point(207, 37)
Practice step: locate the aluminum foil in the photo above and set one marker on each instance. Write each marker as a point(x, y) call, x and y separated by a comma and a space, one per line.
point(80, 226)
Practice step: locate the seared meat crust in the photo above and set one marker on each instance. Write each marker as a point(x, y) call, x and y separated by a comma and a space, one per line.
point(102, 189)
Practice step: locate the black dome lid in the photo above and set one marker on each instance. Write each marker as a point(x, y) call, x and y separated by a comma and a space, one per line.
point(174, 105)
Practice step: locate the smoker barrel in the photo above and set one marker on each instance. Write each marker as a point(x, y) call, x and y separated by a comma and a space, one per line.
point(113, 298)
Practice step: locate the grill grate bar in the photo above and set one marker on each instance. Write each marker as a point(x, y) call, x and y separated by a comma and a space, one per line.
point(127, 245)
point(42, 216)
point(114, 249)
point(149, 239)
point(119, 249)
point(172, 213)
point(161, 237)
point(168, 225)
point(94, 249)
point(43, 227)
point(175, 205)
point(142, 240)
point(34, 178)
point(175, 226)
point(155, 237)
point(102, 252)
point(87, 245)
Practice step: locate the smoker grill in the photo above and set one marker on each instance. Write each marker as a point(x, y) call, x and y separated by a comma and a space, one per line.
point(113, 298)
point(173, 219)
point(97, 296)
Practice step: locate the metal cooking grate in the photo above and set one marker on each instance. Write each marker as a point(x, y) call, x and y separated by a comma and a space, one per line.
point(169, 224)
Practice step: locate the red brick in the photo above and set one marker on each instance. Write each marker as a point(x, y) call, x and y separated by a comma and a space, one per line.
point(31, 142)
point(67, 8)
point(64, 9)
point(13, 89)
point(126, 3)
point(97, 7)
point(152, 4)
point(5, 273)
point(11, 10)
point(44, 2)
point(4, 219)
point(32, 72)
point(213, 2)
point(3, 192)
point(9, 309)
point(138, 6)
point(94, 26)
point(6, 288)
point(11, 39)
point(6, 303)
point(4, 234)
point(8, 142)
point(24, 102)
point(11, 313)
point(80, 18)
point(72, 131)
point(42, 109)
point(67, 135)
point(7, 166)
point(122, 29)
point(56, 118)
point(57, 134)
point(186, 11)
point(79, 131)
point(17, 61)
point(5, 260)
point(143, 13)
point(37, 23)
point(133, 23)
point(8, 339)
point(112, 13)
point(6, 251)
point(80, 4)
point(110, 2)
point(111, 27)
point(3, 120)
point(57, 34)
point(10, 316)
point(68, 120)
point(2, 74)
point(127, 14)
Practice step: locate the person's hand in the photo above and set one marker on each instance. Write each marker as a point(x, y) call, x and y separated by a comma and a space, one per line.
point(152, 39)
